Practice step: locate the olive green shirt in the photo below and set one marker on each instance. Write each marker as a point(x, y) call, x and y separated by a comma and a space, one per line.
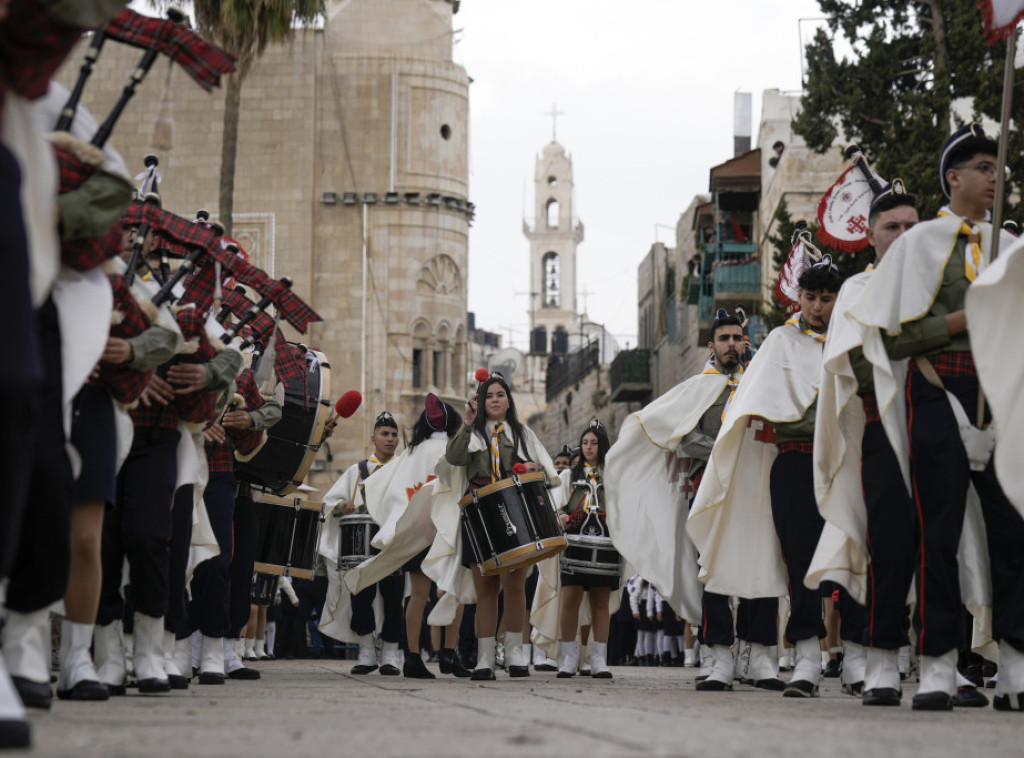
point(697, 443)
point(92, 209)
point(929, 334)
point(478, 463)
point(803, 429)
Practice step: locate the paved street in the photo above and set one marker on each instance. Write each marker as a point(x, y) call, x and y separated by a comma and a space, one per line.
point(316, 708)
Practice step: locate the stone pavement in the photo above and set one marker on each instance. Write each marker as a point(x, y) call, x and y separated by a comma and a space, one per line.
point(316, 708)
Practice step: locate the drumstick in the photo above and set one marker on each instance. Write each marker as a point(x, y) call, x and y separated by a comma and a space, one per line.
point(347, 405)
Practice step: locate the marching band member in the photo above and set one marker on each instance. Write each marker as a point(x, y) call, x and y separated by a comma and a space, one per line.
point(756, 534)
point(584, 496)
point(483, 451)
point(666, 446)
point(865, 500)
point(240, 430)
point(399, 500)
point(348, 617)
point(916, 301)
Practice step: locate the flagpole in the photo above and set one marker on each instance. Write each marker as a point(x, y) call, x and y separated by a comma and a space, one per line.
point(1004, 132)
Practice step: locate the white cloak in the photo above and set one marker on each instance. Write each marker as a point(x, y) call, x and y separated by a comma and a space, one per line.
point(645, 477)
point(731, 519)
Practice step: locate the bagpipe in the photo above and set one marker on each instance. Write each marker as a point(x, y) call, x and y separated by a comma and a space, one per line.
point(78, 160)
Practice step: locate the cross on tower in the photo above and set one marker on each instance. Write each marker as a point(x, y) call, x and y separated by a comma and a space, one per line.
point(583, 293)
point(554, 113)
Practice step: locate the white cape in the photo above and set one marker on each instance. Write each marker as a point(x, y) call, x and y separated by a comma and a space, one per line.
point(731, 519)
point(993, 306)
point(402, 505)
point(646, 478)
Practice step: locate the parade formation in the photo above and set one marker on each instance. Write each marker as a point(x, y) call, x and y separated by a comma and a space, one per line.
point(862, 463)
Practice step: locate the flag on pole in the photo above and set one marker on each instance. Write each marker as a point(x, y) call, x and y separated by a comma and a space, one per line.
point(843, 211)
point(787, 289)
point(1000, 18)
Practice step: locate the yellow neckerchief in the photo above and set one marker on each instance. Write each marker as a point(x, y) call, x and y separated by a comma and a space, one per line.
point(734, 380)
point(974, 259)
point(496, 452)
point(591, 474)
point(795, 321)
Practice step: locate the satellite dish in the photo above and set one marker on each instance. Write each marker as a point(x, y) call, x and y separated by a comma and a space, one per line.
point(506, 362)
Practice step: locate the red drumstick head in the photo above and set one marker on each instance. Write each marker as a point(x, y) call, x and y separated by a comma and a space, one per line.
point(482, 375)
point(519, 469)
point(348, 403)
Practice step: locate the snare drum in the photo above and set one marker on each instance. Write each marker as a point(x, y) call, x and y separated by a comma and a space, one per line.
point(589, 554)
point(289, 529)
point(355, 534)
point(511, 524)
point(264, 588)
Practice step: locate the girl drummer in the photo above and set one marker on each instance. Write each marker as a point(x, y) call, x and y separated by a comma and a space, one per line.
point(584, 513)
point(488, 445)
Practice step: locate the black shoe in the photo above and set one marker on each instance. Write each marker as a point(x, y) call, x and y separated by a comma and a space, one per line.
point(700, 677)
point(584, 672)
point(211, 677)
point(856, 688)
point(832, 669)
point(116, 690)
point(450, 663)
point(415, 668)
point(518, 671)
point(602, 675)
point(565, 675)
point(974, 675)
point(713, 685)
point(267, 657)
point(483, 675)
point(882, 696)
point(88, 689)
point(969, 697)
point(800, 688)
point(154, 686)
point(244, 674)
point(33, 694)
point(364, 668)
point(933, 701)
point(990, 684)
point(549, 667)
point(178, 682)
point(389, 670)
point(775, 684)
point(15, 733)
point(1013, 702)
point(666, 659)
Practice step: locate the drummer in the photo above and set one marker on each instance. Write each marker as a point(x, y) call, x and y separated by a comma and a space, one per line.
point(488, 445)
point(584, 513)
point(345, 498)
point(563, 461)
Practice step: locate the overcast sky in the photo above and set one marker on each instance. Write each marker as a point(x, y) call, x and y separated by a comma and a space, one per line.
point(646, 87)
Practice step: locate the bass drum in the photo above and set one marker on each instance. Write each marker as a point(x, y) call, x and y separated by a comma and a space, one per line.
point(282, 463)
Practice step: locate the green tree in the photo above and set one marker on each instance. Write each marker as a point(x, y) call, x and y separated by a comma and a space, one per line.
point(244, 28)
point(908, 65)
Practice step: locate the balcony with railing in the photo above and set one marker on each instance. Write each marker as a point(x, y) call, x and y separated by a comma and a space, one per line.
point(572, 368)
point(630, 376)
point(730, 274)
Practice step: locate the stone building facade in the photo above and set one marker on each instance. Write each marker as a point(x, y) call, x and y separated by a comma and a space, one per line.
point(352, 179)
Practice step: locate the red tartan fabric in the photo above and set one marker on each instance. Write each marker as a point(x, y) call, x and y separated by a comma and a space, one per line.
point(204, 62)
point(247, 441)
point(32, 47)
point(124, 384)
point(162, 416)
point(201, 406)
point(171, 228)
point(796, 447)
point(954, 364)
point(577, 517)
point(289, 363)
point(291, 307)
point(220, 457)
point(87, 253)
point(870, 407)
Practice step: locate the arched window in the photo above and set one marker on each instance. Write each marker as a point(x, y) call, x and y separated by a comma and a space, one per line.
point(552, 211)
point(552, 281)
